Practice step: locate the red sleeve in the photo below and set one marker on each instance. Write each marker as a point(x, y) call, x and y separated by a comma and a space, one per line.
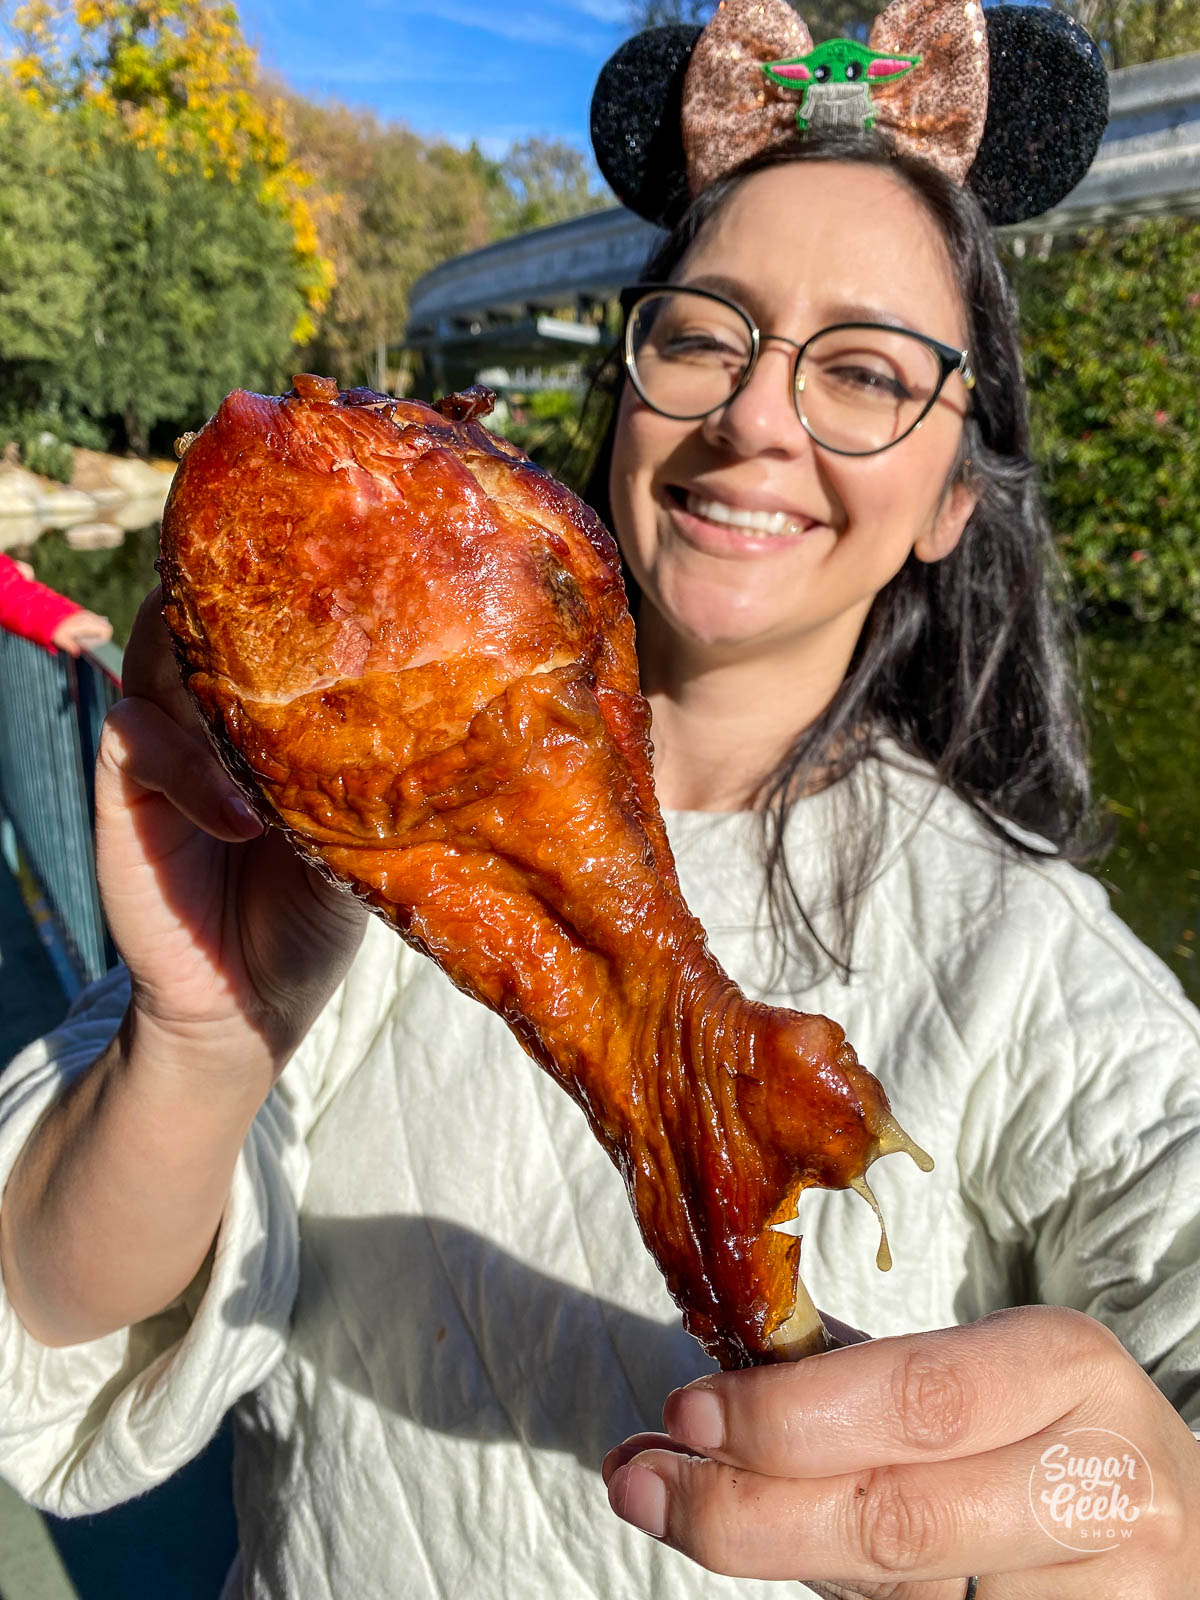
point(29, 608)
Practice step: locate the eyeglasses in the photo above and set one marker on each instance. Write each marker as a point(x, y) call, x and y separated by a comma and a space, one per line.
point(859, 387)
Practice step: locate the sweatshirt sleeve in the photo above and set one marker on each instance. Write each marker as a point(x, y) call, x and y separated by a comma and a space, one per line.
point(1083, 1155)
point(88, 1426)
point(1123, 1244)
point(30, 608)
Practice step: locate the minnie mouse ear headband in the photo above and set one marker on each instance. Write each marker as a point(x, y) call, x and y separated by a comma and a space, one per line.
point(1011, 101)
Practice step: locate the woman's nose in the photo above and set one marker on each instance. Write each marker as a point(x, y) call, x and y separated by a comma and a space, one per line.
point(761, 418)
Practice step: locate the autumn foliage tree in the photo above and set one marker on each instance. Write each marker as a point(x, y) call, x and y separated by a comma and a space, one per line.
point(173, 179)
point(177, 78)
point(393, 205)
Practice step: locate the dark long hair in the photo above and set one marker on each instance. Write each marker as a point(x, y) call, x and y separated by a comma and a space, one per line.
point(967, 663)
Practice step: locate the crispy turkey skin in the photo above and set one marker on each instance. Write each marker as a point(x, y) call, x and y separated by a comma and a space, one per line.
point(413, 650)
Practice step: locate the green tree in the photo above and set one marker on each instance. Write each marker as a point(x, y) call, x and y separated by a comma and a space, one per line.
point(197, 292)
point(46, 271)
point(1128, 31)
point(1111, 326)
point(826, 19)
point(657, 13)
point(544, 181)
point(1131, 31)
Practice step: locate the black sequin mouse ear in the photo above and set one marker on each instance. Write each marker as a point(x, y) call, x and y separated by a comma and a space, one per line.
point(1047, 112)
point(1044, 83)
point(635, 122)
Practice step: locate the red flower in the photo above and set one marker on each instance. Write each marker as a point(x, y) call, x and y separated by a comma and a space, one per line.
point(1138, 555)
point(1161, 418)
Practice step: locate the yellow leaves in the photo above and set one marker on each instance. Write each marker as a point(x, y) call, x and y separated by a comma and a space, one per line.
point(303, 329)
point(25, 71)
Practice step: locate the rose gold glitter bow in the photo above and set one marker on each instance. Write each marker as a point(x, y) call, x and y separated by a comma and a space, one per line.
point(732, 110)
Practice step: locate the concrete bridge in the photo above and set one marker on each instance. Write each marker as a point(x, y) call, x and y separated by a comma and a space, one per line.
point(540, 298)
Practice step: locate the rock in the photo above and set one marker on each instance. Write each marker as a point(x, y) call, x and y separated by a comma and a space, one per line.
point(92, 476)
point(135, 514)
point(20, 491)
point(139, 479)
point(58, 504)
point(95, 536)
point(18, 529)
point(104, 494)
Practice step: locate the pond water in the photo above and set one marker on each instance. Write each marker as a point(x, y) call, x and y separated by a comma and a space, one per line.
point(1144, 694)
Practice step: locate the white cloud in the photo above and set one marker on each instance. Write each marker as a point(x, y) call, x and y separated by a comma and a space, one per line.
point(381, 72)
point(614, 11)
point(526, 25)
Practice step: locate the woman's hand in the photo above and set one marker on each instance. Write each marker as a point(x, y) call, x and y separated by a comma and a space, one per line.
point(233, 943)
point(893, 1469)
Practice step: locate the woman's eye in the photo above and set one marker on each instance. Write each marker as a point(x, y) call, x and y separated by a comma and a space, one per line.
point(869, 380)
point(682, 345)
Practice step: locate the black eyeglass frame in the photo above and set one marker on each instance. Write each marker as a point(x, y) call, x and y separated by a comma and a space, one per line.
point(950, 360)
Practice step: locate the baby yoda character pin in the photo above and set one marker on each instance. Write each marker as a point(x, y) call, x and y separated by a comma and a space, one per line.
point(836, 79)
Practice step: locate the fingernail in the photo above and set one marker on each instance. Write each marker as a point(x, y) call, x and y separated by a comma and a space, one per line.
point(696, 1418)
point(239, 814)
point(616, 1457)
point(640, 1497)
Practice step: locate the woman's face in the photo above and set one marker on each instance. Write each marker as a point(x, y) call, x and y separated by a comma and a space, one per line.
point(800, 247)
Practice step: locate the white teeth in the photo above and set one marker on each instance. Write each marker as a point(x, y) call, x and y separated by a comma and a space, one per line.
point(770, 522)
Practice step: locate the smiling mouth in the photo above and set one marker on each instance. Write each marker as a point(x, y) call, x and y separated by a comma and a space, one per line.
point(772, 524)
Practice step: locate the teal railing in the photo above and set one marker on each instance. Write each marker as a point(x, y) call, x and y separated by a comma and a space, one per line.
point(51, 711)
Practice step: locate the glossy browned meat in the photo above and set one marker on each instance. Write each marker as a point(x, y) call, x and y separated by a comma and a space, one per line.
point(414, 649)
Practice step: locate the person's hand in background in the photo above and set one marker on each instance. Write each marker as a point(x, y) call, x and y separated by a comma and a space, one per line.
point(80, 629)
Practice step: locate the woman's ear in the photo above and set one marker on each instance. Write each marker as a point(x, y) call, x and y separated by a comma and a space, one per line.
point(950, 519)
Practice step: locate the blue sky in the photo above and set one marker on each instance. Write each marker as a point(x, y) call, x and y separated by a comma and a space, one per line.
point(491, 70)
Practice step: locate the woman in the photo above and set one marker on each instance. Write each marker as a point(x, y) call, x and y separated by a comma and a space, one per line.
point(749, 631)
point(430, 1373)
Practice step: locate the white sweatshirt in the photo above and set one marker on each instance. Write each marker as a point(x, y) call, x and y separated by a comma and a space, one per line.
point(431, 1305)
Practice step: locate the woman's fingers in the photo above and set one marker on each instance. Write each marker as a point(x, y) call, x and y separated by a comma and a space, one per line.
point(898, 1462)
point(144, 754)
point(620, 1454)
point(155, 742)
point(921, 1397)
point(149, 669)
point(914, 1523)
point(842, 1332)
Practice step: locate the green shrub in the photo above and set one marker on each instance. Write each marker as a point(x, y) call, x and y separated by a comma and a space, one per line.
point(51, 457)
point(1111, 326)
point(543, 423)
point(44, 438)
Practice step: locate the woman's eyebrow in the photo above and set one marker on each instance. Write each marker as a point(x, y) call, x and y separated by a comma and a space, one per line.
point(832, 312)
point(852, 311)
point(731, 288)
